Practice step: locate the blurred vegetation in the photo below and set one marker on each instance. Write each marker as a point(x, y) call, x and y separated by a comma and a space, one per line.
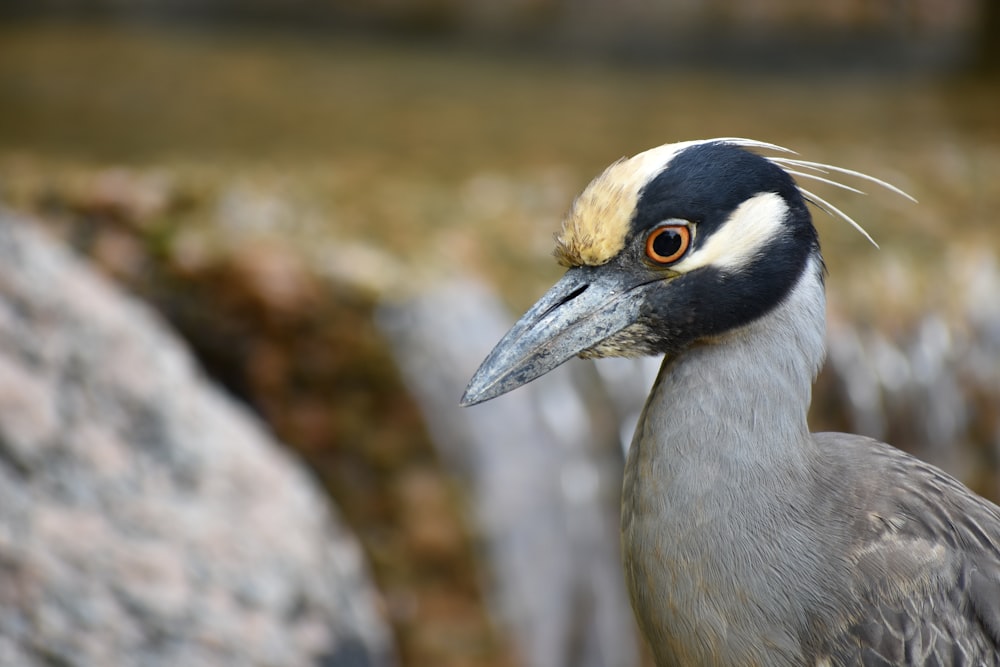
point(264, 188)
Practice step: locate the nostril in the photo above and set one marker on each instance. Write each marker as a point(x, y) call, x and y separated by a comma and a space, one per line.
point(572, 295)
point(566, 299)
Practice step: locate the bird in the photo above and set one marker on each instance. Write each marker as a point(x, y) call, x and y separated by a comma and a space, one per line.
point(746, 539)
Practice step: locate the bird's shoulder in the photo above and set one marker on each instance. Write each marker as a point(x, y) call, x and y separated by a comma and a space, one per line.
point(925, 559)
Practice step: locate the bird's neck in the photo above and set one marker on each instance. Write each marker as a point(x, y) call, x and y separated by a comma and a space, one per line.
point(722, 456)
point(737, 406)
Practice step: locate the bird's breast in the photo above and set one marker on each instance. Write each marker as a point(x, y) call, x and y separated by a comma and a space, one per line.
point(708, 555)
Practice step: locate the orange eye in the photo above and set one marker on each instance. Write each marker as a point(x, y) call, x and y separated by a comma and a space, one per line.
point(668, 243)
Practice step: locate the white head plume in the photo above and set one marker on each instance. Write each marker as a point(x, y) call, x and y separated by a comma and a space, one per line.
point(799, 169)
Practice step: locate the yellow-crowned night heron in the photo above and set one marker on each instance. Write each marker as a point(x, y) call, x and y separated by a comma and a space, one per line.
point(748, 540)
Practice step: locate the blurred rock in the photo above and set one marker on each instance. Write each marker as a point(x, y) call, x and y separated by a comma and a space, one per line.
point(145, 519)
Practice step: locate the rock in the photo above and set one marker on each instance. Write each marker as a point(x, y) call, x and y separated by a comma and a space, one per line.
point(145, 517)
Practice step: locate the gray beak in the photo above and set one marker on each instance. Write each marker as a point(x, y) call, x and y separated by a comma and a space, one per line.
point(586, 306)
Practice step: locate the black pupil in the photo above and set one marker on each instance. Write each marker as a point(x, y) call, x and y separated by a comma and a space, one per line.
point(667, 242)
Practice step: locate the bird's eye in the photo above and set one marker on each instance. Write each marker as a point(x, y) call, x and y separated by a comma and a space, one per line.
point(668, 243)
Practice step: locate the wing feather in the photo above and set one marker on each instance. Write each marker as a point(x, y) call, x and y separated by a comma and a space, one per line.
point(927, 556)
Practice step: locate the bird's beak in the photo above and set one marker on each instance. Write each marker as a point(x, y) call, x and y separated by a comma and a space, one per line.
point(586, 306)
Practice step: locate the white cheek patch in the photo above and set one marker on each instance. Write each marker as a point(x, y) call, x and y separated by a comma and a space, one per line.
point(745, 235)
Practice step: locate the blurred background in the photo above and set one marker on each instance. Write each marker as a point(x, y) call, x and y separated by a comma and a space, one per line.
point(340, 206)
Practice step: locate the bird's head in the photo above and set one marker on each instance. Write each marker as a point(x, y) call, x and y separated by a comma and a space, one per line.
point(670, 248)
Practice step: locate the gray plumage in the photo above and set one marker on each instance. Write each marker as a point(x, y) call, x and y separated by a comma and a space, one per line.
point(747, 540)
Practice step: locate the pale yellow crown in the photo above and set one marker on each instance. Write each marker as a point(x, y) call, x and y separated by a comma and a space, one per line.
point(594, 230)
